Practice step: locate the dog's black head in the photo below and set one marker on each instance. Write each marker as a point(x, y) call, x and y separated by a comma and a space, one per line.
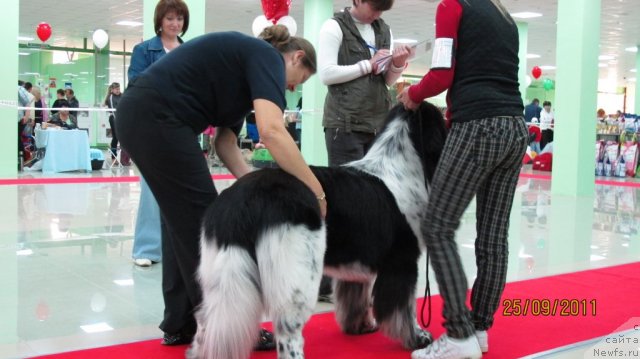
point(427, 132)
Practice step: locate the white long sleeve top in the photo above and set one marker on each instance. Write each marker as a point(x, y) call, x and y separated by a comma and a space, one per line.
point(546, 120)
point(329, 43)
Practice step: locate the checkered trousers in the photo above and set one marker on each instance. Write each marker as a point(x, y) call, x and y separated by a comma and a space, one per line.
point(481, 158)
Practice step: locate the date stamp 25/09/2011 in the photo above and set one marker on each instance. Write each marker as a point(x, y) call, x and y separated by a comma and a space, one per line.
point(549, 307)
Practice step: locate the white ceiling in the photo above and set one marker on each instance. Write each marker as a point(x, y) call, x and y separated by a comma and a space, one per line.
point(74, 20)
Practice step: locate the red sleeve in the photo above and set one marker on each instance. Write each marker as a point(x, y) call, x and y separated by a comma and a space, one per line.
point(436, 81)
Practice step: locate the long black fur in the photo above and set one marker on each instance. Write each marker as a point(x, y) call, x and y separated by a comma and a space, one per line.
point(365, 228)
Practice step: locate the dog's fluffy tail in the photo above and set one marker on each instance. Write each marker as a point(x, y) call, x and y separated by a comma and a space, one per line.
point(231, 309)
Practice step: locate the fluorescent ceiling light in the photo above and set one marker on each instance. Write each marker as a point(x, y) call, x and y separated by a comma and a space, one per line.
point(129, 23)
point(526, 15)
point(633, 79)
point(605, 57)
point(25, 38)
point(24, 53)
point(633, 70)
point(124, 282)
point(595, 258)
point(602, 65)
point(96, 328)
point(632, 49)
point(533, 56)
point(547, 67)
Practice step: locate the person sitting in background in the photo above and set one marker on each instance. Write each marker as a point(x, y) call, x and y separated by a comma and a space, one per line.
point(532, 110)
point(56, 103)
point(601, 116)
point(535, 135)
point(72, 101)
point(62, 119)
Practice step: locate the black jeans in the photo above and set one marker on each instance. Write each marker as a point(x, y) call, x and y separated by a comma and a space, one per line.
point(168, 155)
point(343, 147)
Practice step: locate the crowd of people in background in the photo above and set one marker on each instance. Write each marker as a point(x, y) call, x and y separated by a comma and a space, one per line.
point(38, 115)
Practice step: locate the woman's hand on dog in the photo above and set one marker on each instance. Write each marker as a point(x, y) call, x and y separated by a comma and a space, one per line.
point(323, 206)
point(404, 98)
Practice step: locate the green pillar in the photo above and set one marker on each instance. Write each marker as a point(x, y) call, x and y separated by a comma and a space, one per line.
point(523, 32)
point(570, 231)
point(576, 97)
point(314, 150)
point(101, 74)
point(197, 11)
point(636, 104)
point(8, 90)
point(9, 168)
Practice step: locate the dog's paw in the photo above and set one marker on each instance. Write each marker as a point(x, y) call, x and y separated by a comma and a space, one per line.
point(368, 326)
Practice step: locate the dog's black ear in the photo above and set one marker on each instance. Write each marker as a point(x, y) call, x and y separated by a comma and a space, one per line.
point(396, 111)
point(430, 126)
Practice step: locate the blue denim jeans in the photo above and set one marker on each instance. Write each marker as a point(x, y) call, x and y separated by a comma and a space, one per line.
point(147, 240)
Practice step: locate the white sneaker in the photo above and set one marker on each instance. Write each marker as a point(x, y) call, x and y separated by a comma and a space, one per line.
point(483, 340)
point(142, 262)
point(450, 348)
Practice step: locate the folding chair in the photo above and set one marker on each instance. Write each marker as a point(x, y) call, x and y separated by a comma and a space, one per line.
point(114, 159)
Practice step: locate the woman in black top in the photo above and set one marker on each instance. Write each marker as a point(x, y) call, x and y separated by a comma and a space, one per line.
point(476, 60)
point(215, 79)
point(111, 101)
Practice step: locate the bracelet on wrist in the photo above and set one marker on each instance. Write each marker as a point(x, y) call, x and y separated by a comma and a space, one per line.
point(322, 197)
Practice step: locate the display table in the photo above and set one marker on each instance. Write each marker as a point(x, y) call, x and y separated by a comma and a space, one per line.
point(66, 150)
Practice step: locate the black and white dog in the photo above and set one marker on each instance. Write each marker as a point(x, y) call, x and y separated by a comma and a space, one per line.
point(264, 245)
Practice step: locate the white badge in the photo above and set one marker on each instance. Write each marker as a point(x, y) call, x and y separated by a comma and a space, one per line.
point(442, 54)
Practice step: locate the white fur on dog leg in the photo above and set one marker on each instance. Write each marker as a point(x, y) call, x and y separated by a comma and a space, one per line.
point(290, 261)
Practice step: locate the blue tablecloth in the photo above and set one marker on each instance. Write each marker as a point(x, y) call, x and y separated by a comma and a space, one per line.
point(66, 150)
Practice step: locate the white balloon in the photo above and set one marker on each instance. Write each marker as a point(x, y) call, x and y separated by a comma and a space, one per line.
point(290, 23)
point(260, 23)
point(100, 38)
point(528, 80)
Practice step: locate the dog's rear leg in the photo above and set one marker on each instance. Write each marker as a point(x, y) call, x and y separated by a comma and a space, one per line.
point(353, 307)
point(290, 261)
point(394, 305)
point(231, 308)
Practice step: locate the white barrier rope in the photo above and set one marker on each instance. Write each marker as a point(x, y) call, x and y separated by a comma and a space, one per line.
point(14, 104)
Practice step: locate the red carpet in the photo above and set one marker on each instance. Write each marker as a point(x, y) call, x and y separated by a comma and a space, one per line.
point(614, 291)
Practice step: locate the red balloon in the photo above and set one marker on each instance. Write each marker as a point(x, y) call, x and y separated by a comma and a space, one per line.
point(275, 9)
point(44, 31)
point(536, 72)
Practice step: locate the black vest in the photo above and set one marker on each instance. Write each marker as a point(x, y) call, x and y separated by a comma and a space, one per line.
point(361, 104)
point(486, 75)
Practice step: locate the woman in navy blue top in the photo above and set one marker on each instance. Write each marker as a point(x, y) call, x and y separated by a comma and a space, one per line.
point(215, 79)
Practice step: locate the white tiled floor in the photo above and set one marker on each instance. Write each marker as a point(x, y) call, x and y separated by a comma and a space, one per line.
point(65, 256)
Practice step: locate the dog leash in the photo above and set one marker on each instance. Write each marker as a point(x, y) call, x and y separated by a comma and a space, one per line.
point(427, 289)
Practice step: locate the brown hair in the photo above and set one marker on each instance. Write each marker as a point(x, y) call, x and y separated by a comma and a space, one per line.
point(166, 6)
point(378, 5)
point(278, 36)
